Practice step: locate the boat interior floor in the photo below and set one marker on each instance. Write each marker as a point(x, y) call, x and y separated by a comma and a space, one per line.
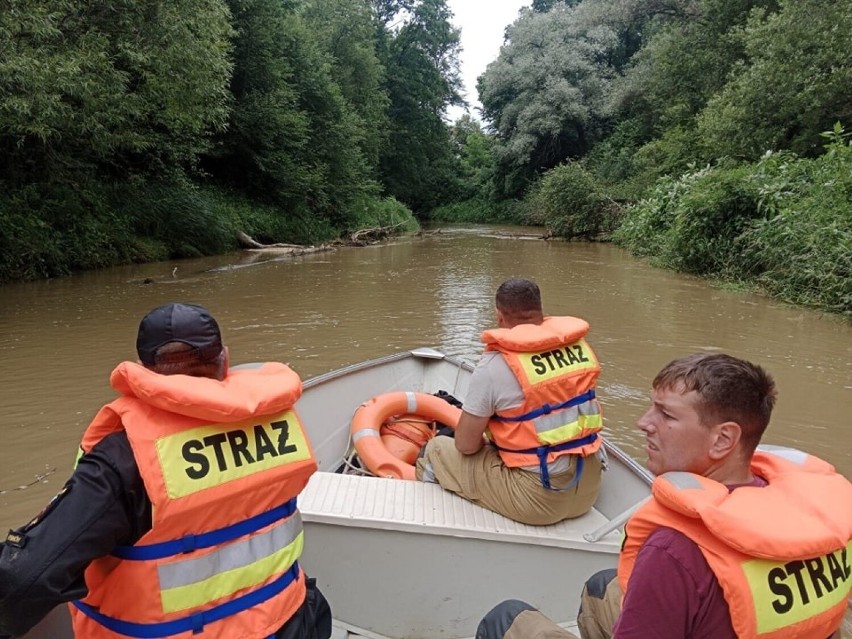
point(411, 506)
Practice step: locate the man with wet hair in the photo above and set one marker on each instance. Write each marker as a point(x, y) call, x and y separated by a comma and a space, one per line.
point(180, 517)
point(527, 440)
point(736, 541)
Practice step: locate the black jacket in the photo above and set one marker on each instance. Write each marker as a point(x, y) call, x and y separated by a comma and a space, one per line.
point(102, 505)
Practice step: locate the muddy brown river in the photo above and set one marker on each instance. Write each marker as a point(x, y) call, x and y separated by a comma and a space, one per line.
point(59, 339)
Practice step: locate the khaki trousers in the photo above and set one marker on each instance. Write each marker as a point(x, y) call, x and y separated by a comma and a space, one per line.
point(600, 605)
point(484, 479)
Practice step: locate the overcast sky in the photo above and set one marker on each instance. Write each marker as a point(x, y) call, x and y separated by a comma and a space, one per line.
point(482, 24)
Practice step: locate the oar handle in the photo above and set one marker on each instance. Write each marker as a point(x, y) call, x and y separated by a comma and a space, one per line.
point(616, 522)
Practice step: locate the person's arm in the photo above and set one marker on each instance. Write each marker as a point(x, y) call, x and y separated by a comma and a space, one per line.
point(477, 409)
point(469, 433)
point(102, 505)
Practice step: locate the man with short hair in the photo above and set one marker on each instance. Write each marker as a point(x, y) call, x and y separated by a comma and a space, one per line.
point(526, 443)
point(180, 518)
point(735, 542)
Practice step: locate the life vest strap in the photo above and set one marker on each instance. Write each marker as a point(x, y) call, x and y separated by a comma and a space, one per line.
point(588, 396)
point(193, 623)
point(205, 540)
point(543, 451)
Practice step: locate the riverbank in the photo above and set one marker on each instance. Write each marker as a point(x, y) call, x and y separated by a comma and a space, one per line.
point(52, 231)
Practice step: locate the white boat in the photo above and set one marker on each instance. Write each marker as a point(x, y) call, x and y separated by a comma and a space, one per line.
point(404, 559)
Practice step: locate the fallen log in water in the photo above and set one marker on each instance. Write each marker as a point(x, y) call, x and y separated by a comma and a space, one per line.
point(249, 242)
point(362, 237)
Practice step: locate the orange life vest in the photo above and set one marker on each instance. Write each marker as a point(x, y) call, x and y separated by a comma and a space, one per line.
point(780, 581)
point(557, 371)
point(222, 463)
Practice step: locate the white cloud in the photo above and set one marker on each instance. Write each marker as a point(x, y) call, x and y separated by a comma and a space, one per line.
point(482, 24)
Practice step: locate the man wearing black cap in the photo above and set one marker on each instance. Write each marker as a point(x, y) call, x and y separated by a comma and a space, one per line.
point(180, 518)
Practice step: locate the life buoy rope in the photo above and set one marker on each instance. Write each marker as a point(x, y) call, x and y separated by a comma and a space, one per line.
point(368, 419)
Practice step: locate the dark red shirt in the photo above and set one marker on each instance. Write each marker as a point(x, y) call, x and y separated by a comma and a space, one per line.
point(673, 593)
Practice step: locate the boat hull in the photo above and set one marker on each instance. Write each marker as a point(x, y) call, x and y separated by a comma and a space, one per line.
point(402, 559)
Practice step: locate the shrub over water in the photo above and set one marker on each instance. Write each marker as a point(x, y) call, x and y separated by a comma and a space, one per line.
point(569, 202)
point(783, 224)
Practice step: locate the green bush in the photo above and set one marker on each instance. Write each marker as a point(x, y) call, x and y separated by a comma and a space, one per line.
point(677, 151)
point(374, 212)
point(691, 223)
point(802, 251)
point(50, 230)
point(783, 224)
point(478, 211)
point(268, 223)
point(569, 202)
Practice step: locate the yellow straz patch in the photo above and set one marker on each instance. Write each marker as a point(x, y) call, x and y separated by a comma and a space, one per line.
point(540, 367)
point(787, 593)
point(212, 455)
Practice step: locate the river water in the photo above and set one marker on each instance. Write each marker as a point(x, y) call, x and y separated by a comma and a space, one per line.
point(59, 339)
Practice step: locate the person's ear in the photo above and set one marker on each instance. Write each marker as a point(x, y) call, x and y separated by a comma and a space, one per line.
point(501, 321)
point(726, 438)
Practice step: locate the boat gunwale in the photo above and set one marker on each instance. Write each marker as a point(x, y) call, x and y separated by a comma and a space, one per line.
point(419, 353)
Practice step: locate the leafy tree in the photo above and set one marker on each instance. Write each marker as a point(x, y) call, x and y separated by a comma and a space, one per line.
point(87, 87)
point(292, 137)
point(347, 30)
point(474, 150)
point(418, 165)
point(545, 94)
point(796, 83)
point(543, 6)
point(568, 201)
point(684, 64)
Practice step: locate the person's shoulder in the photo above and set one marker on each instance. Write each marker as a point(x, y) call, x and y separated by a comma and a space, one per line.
point(116, 443)
point(675, 545)
point(113, 451)
point(665, 537)
point(488, 357)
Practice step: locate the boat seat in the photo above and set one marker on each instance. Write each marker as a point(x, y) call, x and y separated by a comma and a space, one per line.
point(417, 507)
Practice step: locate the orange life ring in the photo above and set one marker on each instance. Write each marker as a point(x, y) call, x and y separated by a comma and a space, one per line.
point(368, 419)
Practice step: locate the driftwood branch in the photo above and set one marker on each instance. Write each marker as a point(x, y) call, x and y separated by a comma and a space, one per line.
point(362, 237)
point(249, 242)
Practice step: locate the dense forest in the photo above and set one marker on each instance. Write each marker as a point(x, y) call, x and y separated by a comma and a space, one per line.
point(707, 135)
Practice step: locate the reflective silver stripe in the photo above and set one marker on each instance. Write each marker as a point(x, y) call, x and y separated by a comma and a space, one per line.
point(238, 555)
point(367, 432)
point(412, 403)
point(555, 420)
point(682, 480)
point(790, 454)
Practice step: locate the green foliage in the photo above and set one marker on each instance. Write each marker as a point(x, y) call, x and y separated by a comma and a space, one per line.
point(347, 30)
point(795, 85)
point(418, 165)
point(479, 210)
point(474, 150)
point(783, 223)
point(691, 223)
point(569, 202)
point(374, 212)
point(267, 223)
point(293, 140)
point(545, 94)
point(84, 87)
point(612, 161)
point(684, 64)
point(802, 250)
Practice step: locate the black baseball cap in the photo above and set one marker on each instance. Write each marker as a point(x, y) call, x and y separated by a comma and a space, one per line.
point(188, 323)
